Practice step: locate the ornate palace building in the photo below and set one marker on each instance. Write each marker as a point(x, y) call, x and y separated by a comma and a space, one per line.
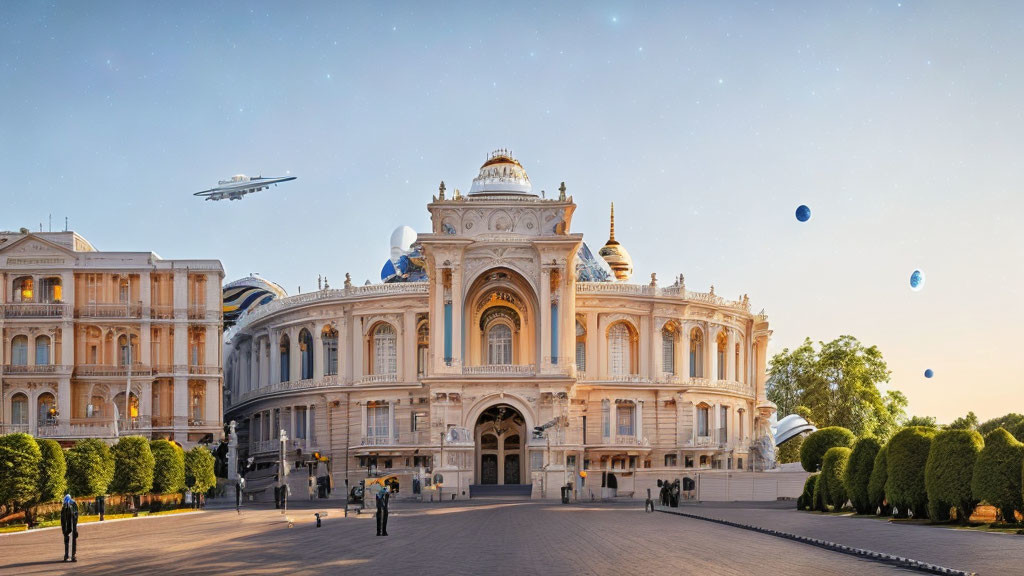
point(499, 353)
point(80, 326)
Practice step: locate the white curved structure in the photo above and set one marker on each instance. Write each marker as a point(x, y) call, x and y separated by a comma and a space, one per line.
point(790, 427)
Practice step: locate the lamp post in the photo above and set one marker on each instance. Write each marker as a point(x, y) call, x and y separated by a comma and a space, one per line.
point(439, 466)
point(282, 472)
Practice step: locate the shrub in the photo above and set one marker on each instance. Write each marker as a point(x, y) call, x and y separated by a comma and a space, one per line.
point(818, 497)
point(997, 473)
point(90, 468)
point(53, 469)
point(819, 441)
point(908, 454)
point(19, 470)
point(833, 468)
point(199, 474)
point(789, 451)
point(876, 484)
point(858, 474)
point(949, 471)
point(168, 467)
point(807, 498)
point(133, 466)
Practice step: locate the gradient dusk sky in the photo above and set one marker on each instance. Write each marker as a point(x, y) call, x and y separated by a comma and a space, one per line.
point(899, 123)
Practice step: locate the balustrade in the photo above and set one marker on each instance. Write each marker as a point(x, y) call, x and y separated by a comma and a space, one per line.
point(123, 310)
point(35, 310)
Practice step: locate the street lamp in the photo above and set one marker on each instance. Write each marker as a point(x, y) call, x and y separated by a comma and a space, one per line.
point(282, 472)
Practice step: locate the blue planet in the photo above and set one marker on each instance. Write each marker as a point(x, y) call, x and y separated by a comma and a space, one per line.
point(803, 213)
point(917, 280)
point(928, 373)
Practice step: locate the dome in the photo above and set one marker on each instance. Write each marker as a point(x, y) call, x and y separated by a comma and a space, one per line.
point(401, 241)
point(615, 254)
point(247, 293)
point(501, 174)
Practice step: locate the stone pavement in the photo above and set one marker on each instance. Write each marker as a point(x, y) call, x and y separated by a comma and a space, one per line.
point(982, 552)
point(478, 537)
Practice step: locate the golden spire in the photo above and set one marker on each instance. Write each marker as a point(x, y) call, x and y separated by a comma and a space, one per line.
point(611, 228)
point(615, 254)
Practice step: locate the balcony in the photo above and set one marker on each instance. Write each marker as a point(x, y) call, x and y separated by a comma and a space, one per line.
point(13, 428)
point(78, 428)
point(15, 370)
point(290, 386)
point(35, 310)
point(613, 378)
point(161, 312)
point(416, 438)
point(500, 370)
point(377, 379)
point(99, 370)
point(204, 370)
point(200, 312)
point(102, 311)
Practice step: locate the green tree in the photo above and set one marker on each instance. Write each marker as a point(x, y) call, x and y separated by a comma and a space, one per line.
point(90, 468)
point(19, 470)
point(789, 451)
point(838, 384)
point(997, 473)
point(199, 474)
point(858, 473)
point(833, 469)
point(168, 467)
point(1012, 423)
point(876, 484)
point(949, 471)
point(906, 458)
point(133, 466)
point(53, 470)
point(925, 421)
point(819, 441)
point(969, 422)
point(806, 499)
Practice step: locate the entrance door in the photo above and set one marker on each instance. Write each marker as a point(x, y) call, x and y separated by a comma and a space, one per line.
point(489, 469)
point(511, 468)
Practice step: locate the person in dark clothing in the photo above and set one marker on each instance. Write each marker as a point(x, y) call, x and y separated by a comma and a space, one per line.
point(101, 505)
point(382, 510)
point(69, 526)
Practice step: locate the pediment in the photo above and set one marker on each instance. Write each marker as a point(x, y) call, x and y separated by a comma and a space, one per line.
point(31, 250)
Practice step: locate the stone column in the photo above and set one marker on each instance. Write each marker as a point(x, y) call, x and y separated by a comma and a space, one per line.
point(457, 316)
point(644, 348)
point(318, 350)
point(180, 401)
point(64, 399)
point(730, 356)
point(145, 347)
point(294, 355)
point(145, 293)
point(544, 357)
point(761, 375)
point(594, 355)
point(146, 402)
point(213, 348)
point(214, 393)
point(408, 352)
point(358, 370)
point(180, 294)
point(711, 350)
point(640, 420)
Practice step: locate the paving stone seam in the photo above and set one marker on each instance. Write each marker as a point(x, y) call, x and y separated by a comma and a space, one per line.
point(859, 552)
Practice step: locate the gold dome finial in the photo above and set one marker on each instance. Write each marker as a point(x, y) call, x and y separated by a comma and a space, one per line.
point(611, 227)
point(615, 254)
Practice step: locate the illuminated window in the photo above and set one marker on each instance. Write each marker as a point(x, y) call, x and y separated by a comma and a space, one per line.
point(23, 289)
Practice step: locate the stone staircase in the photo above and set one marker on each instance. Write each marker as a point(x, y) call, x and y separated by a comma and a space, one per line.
point(511, 491)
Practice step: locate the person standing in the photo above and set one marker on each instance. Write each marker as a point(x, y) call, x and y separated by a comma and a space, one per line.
point(312, 488)
point(69, 526)
point(383, 497)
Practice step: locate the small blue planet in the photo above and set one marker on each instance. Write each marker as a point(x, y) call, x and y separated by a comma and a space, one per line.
point(928, 373)
point(917, 280)
point(803, 213)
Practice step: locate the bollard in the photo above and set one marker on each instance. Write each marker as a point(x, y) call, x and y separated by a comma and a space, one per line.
point(317, 519)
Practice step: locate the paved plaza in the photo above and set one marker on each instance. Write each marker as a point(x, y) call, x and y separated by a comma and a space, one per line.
point(493, 537)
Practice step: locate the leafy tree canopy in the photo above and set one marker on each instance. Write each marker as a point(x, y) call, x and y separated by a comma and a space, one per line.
point(836, 385)
point(969, 422)
point(926, 421)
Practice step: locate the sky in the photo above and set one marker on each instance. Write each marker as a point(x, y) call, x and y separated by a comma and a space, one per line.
point(898, 123)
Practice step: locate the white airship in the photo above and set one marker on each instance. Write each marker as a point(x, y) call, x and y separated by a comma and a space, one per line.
point(240, 185)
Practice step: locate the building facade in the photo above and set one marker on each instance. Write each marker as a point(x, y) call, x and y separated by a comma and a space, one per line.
point(500, 352)
point(102, 344)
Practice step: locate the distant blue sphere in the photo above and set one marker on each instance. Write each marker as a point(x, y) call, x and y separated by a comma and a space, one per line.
point(803, 213)
point(928, 373)
point(917, 280)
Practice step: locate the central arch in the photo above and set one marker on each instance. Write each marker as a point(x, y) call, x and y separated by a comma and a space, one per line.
point(500, 320)
point(481, 414)
point(500, 436)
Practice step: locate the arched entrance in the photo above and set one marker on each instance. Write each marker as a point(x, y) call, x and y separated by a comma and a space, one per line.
point(500, 434)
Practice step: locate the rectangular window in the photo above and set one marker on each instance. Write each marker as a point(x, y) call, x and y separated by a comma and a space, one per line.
point(725, 423)
point(625, 421)
point(42, 352)
point(420, 421)
point(688, 461)
point(581, 357)
point(377, 421)
point(421, 361)
point(300, 422)
point(605, 419)
point(668, 354)
point(670, 460)
point(312, 425)
point(331, 356)
point(19, 353)
point(536, 460)
point(702, 421)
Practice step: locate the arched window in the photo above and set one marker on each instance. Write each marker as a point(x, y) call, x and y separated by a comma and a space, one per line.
point(47, 409)
point(330, 342)
point(19, 351)
point(696, 353)
point(422, 348)
point(126, 355)
point(581, 347)
point(196, 346)
point(668, 349)
point(42, 350)
point(19, 410)
point(722, 342)
point(306, 354)
point(286, 352)
point(385, 349)
point(24, 289)
point(620, 358)
point(196, 404)
point(499, 345)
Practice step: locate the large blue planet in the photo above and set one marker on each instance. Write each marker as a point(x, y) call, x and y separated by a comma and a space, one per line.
point(803, 213)
point(917, 280)
point(928, 373)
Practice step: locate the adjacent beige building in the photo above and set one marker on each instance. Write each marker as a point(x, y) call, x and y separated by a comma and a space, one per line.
point(82, 328)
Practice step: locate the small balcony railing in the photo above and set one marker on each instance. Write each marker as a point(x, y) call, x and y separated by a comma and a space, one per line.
point(78, 428)
point(123, 310)
point(500, 370)
point(13, 428)
point(112, 371)
point(377, 379)
point(13, 369)
point(204, 370)
point(35, 310)
point(161, 312)
point(199, 312)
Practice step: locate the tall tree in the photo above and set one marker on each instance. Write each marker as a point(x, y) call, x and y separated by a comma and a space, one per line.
point(838, 385)
point(969, 422)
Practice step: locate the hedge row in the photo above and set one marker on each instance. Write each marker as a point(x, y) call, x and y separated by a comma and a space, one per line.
point(922, 472)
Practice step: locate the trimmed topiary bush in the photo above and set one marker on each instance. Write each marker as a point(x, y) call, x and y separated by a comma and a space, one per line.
point(997, 473)
point(858, 474)
point(790, 450)
point(90, 468)
point(819, 441)
point(833, 468)
point(949, 471)
point(19, 470)
point(906, 459)
point(133, 466)
point(818, 498)
point(168, 467)
point(806, 499)
point(199, 474)
point(53, 469)
point(876, 484)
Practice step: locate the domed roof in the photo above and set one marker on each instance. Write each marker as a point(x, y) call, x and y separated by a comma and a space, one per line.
point(401, 241)
point(247, 293)
point(501, 174)
point(615, 254)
